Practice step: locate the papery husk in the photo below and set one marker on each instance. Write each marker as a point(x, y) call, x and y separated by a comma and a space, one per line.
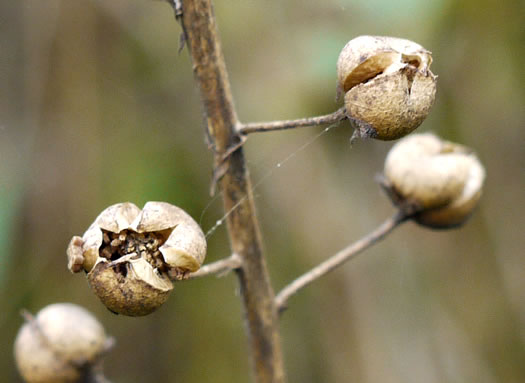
point(185, 248)
point(388, 86)
point(444, 179)
point(57, 343)
point(392, 105)
point(130, 285)
point(137, 291)
point(115, 218)
point(366, 56)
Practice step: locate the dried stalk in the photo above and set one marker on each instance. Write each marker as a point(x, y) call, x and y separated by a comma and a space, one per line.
point(210, 74)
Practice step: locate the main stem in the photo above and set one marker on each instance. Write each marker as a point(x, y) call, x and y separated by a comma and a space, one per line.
point(210, 73)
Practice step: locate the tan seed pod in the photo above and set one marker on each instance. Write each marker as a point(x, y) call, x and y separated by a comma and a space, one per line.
point(59, 344)
point(132, 255)
point(444, 180)
point(387, 84)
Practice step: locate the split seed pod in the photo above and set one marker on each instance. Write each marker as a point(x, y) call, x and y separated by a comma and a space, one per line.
point(387, 84)
point(442, 179)
point(60, 344)
point(132, 255)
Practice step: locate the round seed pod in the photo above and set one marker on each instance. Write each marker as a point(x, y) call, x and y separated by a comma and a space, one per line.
point(387, 85)
point(442, 179)
point(131, 256)
point(59, 345)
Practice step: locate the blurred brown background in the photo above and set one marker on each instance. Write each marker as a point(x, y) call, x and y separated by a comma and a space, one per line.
point(97, 107)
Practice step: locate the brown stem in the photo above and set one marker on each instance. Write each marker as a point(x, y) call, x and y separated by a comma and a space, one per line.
point(255, 127)
point(220, 267)
point(338, 259)
point(210, 74)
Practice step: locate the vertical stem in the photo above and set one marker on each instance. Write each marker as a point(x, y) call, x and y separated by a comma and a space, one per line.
point(209, 70)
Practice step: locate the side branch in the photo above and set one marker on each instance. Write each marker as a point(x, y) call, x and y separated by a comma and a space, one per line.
point(220, 267)
point(338, 259)
point(255, 127)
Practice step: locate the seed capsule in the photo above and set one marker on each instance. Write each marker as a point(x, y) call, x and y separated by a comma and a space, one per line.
point(444, 180)
point(132, 255)
point(59, 345)
point(387, 84)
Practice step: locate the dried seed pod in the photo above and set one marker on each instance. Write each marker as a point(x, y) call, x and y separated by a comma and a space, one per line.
point(59, 345)
point(444, 180)
point(132, 255)
point(387, 84)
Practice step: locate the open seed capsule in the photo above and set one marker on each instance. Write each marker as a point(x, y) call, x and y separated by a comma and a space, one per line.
point(132, 255)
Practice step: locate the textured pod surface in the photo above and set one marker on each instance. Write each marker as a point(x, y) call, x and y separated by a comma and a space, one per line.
point(52, 347)
point(185, 248)
point(442, 178)
point(388, 86)
point(129, 287)
point(132, 255)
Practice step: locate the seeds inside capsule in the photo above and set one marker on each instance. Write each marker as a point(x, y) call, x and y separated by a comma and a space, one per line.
point(143, 245)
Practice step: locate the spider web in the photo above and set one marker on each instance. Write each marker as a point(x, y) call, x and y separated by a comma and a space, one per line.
point(267, 174)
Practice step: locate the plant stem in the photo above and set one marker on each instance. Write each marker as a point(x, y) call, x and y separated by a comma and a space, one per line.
point(338, 259)
point(210, 74)
point(220, 267)
point(255, 127)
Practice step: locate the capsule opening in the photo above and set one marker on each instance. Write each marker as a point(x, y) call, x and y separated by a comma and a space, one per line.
point(144, 245)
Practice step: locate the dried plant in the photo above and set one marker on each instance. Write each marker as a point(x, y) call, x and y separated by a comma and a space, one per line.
point(133, 257)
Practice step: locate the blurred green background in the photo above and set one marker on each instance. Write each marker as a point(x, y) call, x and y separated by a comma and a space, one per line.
point(97, 107)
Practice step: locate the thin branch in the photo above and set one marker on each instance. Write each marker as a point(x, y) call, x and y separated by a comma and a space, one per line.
point(255, 127)
point(220, 267)
point(338, 259)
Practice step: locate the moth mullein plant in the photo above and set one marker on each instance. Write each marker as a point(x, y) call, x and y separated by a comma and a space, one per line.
point(387, 85)
point(131, 256)
point(441, 180)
